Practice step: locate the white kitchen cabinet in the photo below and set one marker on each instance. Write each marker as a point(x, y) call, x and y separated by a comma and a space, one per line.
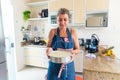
point(36, 56)
point(79, 12)
point(97, 5)
point(55, 5)
point(76, 6)
point(97, 11)
point(78, 60)
point(68, 4)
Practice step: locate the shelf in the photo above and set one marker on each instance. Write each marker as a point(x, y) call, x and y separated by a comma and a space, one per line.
point(79, 24)
point(96, 28)
point(38, 3)
point(97, 12)
point(33, 19)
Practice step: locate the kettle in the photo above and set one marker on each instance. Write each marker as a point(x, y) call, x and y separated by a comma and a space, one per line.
point(94, 39)
point(94, 44)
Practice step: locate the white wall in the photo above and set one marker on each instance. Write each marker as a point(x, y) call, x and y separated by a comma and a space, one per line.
point(114, 23)
point(19, 7)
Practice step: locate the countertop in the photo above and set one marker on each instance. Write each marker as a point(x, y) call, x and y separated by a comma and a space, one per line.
point(102, 64)
point(99, 64)
point(35, 46)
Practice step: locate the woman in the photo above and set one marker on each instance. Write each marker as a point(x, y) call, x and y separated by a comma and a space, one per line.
point(62, 38)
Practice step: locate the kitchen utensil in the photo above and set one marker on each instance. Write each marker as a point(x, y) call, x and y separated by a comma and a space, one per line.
point(60, 56)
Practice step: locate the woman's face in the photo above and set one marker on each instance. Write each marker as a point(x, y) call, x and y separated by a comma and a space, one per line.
point(63, 20)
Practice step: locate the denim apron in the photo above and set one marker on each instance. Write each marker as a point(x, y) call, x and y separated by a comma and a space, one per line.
point(68, 73)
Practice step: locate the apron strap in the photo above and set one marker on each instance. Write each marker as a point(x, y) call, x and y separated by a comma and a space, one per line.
point(68, 33)
point(63, 66)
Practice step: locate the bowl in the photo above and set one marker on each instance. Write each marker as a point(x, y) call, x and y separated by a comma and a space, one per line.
point(60, 56)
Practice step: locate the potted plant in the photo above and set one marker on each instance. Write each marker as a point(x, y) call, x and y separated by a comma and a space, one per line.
point(26, 15)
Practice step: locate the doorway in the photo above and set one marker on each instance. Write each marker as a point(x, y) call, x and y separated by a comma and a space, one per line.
point(8, 29)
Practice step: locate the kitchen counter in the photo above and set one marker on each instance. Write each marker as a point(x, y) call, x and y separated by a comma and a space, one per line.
point(35, 55)
point(101, 68)
point(35, 46)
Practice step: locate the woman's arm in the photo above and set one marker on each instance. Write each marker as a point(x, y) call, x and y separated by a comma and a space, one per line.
point(51, 35)
point(76, 42)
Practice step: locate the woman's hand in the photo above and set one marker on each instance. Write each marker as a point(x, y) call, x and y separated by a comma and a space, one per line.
point(48, 51)
point(73, 54)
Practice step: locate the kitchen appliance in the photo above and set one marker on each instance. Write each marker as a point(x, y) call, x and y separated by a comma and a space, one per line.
point(94, 44)
point(81, 41)
point(3, 68)
point(36, 40)
point(60, 56)
point(44, 13)
point(98, 21)
point(91, 45)
point(87, 44)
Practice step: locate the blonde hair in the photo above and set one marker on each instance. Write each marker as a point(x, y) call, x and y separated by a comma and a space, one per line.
point(63, 11)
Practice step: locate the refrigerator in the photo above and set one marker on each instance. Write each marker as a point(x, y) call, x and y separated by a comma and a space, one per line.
point(3, 66)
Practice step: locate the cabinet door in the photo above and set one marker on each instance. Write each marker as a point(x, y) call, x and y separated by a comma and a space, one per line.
point(57, 4)
point(36, 57)
point(66, 4)
point(78, 60)
point(53, 6)
point(45, 58)
point(34, 52)
point(34, 61)
point(79, 11)
point(97, 5)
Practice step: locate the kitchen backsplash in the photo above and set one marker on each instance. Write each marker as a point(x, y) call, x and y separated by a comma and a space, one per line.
point(39, 29)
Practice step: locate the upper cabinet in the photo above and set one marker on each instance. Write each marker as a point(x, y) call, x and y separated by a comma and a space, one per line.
point(53, 6)
point(97, 5)
point(76, 7)
point(57, 4)
point(79, 12)
point(67, 4)
point(97, 13)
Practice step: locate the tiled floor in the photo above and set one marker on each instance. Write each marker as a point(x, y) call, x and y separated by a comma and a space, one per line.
point(33, 73)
